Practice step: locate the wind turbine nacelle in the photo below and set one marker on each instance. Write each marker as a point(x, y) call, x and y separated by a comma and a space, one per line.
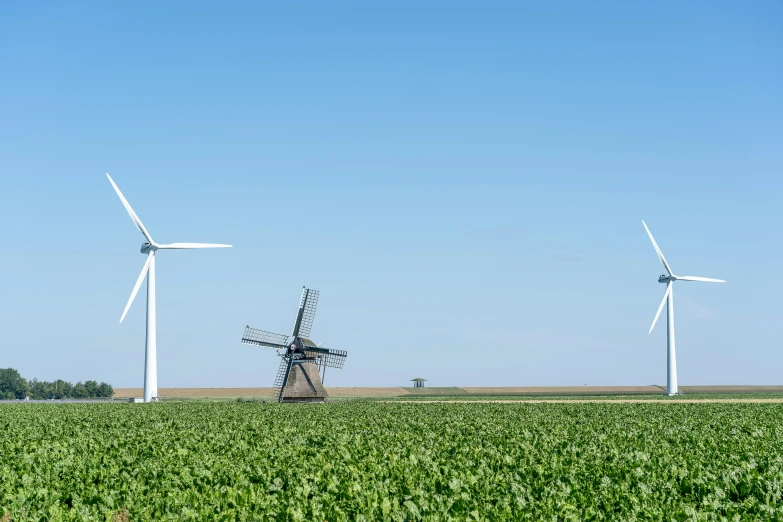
point(145, 248)
point(665, 278)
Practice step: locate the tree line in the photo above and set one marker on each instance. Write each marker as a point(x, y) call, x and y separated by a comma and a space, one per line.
point(14, 386)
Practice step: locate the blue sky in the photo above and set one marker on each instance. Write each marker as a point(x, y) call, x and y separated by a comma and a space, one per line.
point(463, 182)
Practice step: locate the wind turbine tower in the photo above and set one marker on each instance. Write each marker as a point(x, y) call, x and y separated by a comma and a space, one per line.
point(668, 298)
point(150, 249)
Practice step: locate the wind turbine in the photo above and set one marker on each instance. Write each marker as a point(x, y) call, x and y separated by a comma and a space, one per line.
point(149, 248)
point(668, 298)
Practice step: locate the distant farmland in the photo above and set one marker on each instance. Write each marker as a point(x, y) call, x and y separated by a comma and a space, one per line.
point(251, 393)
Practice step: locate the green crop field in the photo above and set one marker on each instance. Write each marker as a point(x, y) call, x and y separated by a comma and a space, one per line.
point(391, 461)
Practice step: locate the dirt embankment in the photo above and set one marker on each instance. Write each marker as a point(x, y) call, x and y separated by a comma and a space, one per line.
point(777, 400)
point(251, 393)
point(232, 393)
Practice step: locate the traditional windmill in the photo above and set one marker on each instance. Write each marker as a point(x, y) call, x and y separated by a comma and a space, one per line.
point(299, 377)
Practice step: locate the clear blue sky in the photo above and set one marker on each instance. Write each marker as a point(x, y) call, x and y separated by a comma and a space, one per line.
point(464, 183)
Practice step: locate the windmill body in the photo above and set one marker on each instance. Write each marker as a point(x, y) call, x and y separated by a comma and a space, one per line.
point(151, 341)
point(671, 353)
point(302, 363)
point(150, 249)
point(668, 299)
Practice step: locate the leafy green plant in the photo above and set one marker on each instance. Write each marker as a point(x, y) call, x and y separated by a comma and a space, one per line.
point(392, 461)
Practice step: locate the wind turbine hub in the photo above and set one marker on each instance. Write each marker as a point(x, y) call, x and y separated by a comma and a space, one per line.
point(146, 247)
point(666, 278)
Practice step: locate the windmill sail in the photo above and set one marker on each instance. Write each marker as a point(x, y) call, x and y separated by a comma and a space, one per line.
point(327, 356)
point(280, 379)
point(263, 338)
point(306, 315)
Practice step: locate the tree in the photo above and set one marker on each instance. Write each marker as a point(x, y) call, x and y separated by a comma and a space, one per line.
point(79, 391)
point(92, 388)
point(105, 390)
point(41, 390)
point(63, 389)
point(12, 385)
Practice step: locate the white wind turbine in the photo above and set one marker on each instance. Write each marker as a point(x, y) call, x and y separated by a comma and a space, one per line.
point(149, 248)
point(668, 298)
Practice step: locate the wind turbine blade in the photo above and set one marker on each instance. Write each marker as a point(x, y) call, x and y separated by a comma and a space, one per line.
point(704, 279)
point(144, 270)
point(175, 246)
point(134, 217)
point(660, 308)
point(658, 250)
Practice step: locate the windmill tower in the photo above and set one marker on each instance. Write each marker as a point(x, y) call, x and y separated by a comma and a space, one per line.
point(303, 363)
